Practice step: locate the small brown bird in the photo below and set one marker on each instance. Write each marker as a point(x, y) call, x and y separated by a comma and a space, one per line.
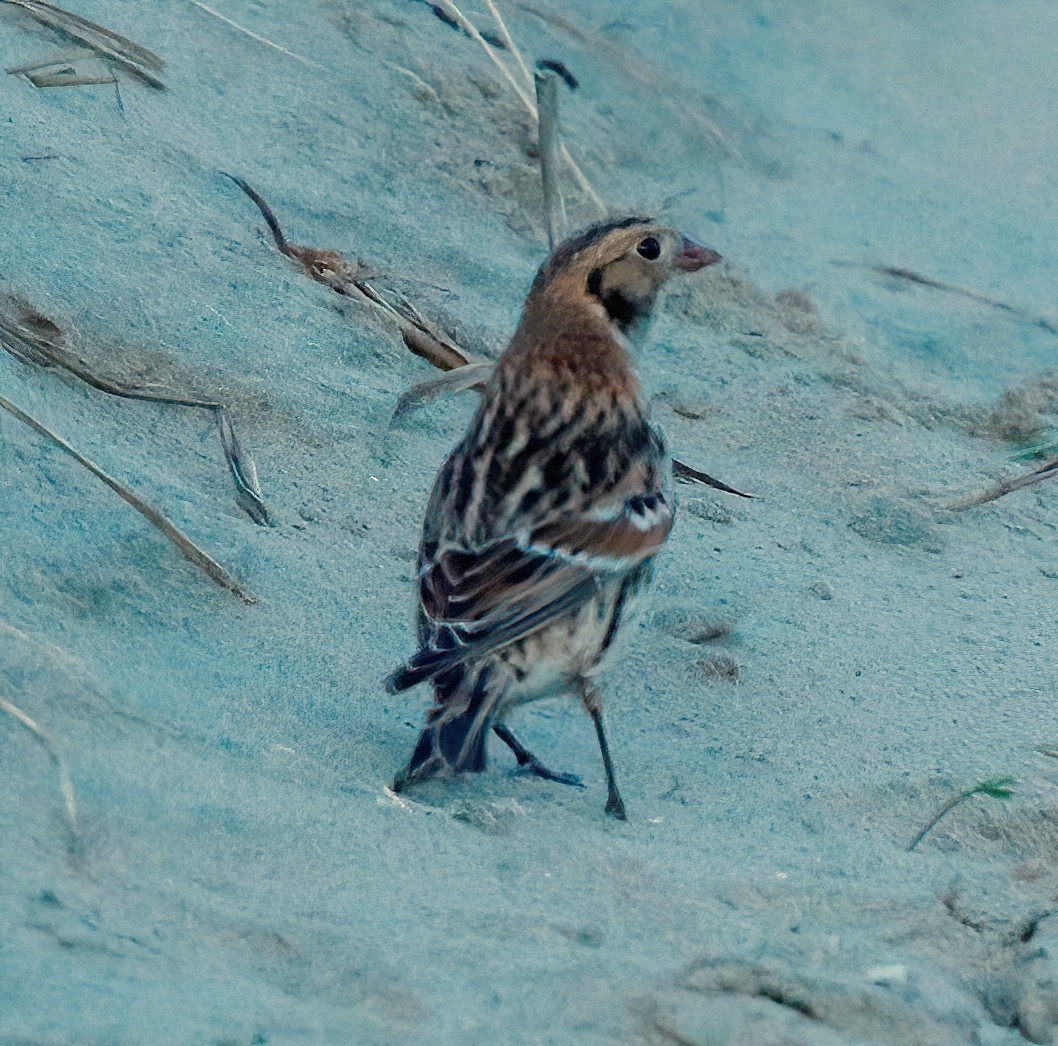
point(544, 520)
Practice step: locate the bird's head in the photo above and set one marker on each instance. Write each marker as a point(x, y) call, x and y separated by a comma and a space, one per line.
point(618, 265)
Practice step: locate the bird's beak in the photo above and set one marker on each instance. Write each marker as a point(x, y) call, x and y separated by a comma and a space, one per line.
point(693, 256)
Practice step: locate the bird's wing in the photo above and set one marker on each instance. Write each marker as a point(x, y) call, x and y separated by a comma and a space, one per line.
point(479, 600)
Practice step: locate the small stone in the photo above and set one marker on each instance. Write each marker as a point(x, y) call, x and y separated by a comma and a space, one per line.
point(893, 523)
point(589, 936)
point(895, 973)
point(719, 667)
point(690, 627)
point(691, 409)
point(797, 312)
point(710, 510)
point(1029, 871)
point(821, 589)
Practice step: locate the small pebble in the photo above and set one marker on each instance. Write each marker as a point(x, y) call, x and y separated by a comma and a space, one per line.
point(821, 589)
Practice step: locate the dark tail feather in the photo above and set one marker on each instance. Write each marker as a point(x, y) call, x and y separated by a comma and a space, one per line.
point(426, 664)
point(456, 730)
point(410, 673)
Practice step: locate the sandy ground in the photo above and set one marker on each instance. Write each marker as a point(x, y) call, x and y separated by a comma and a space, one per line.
point(817, 671)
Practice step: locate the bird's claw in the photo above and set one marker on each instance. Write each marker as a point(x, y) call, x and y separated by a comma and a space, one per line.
point(537, 769)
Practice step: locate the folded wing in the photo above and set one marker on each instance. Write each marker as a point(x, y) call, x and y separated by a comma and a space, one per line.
point(478, 601)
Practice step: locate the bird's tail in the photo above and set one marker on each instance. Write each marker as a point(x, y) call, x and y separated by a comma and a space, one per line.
point(457, 727)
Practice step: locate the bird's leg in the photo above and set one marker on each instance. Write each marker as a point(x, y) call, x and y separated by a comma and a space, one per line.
point(592, 699)
point(529, 762)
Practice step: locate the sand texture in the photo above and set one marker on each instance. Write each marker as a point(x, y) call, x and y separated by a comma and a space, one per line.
point(816, 670)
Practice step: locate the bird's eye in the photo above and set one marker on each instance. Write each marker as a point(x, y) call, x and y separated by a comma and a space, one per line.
point(649, 248)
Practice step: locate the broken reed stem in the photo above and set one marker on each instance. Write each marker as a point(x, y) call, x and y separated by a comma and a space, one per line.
point(1029, 479)
point(471, 30)
point(188, 549)
point(643, 72)
point(65, 784)
point(470, 376)
point(134, 57)
point(692, 475)
point(547, 105)
point(911, 276)
point(331, 269)
point(243, 470)
point(260, 39)
point(32, 347)
point(509, 40)
point(998, 788)
point(928, 827)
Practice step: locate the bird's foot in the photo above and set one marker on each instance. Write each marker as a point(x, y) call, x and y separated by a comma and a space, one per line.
point(615, 806)
point(537, 769)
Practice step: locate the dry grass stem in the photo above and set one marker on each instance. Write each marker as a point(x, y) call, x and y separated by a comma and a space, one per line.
point(65, 784)
point(120, 49)
point(34, 339)
point(1048, 471)
point(910, 276)
point(650, 76)
point(76, 670)
point(554, 208)
point(472, 376)
point(59, 74)
point(672, 1034)
point(582, 180)
point(188, 549)
point(343, 277)
point(692, 475)
point(471, 30)
point(424, 89)
point(71, 665)
point(508, 41)
point(242, 468)
point(996, 788)
point(260, 39)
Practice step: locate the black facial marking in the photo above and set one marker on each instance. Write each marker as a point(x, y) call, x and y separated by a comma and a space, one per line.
point(624, 311)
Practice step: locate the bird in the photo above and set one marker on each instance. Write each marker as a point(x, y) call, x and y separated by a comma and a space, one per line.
point(545, 519)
